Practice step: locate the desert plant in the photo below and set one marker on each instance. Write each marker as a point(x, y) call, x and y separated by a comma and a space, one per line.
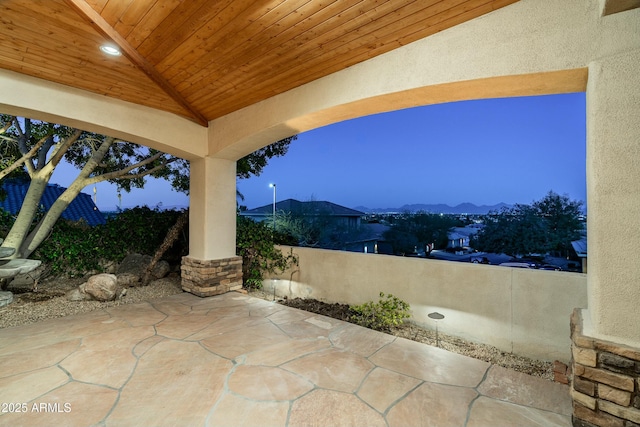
point(382, 315)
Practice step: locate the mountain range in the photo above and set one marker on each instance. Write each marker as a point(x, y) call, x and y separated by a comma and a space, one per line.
point(462, 208)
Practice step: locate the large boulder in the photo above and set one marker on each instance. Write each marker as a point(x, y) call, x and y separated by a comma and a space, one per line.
point(101, 287)
point(133, 267)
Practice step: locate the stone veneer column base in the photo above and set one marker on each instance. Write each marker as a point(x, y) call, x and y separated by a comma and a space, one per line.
point(211, 277)
point(606, 380)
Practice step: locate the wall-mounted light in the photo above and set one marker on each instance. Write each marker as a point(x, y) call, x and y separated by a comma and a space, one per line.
point(110, 50)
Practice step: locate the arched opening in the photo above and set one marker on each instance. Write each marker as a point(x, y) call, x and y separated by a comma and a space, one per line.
point(461, 160)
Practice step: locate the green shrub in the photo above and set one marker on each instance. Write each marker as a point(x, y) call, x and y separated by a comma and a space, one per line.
point(255, 244)
point(75, 248)
point(382, 315)
point(139, 230)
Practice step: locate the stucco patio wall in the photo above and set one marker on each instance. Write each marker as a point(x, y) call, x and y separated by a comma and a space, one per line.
point(517, 310)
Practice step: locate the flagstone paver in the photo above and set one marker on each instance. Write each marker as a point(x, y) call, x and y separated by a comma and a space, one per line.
point(490, 412)
point(268, 383)
point(277, 354)
point(395, 387)
point(516, 387)
point(433, 405)
point(142, 314)
point(332, 369)
point(364, 342)
point(234, 360)
point(332, 408)
point(233, 410)
point(28, 386)
point(106, 359)
point(430, 363)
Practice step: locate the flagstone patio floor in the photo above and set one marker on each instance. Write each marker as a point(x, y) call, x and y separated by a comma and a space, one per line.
point(235, 360)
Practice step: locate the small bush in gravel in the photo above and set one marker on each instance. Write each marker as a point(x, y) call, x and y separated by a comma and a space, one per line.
point(382, 315)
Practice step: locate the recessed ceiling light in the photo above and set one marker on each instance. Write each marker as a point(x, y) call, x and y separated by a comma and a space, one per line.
point(110, 50)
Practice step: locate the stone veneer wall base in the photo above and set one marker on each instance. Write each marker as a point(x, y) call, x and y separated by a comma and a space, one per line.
point(606, 381)
point(206, 278)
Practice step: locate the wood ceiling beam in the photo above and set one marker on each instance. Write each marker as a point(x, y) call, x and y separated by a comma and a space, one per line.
point(102, 26)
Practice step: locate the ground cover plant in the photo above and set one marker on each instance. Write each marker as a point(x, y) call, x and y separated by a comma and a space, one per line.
point(389, 311)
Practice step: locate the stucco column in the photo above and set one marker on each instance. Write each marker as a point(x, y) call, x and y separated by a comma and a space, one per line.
point(212, 266)
point(613, 191)
point(605, 339)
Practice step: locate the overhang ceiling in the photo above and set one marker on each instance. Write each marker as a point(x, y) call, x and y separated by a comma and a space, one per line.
point(202, 59)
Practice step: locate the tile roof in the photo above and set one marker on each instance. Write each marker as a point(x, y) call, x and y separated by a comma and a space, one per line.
point(312, 207)
point(82, 207)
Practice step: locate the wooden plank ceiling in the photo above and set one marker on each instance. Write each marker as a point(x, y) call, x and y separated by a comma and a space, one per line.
point(203, 59)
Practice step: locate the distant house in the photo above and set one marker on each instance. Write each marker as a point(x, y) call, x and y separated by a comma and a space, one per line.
point(460, 237)
point(580, 249)
point(371, 240)
point(82, 207)
point(345, 216)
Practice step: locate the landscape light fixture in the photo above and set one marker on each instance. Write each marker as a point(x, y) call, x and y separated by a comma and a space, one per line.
point(274, 205)
point(110, 50)
point(436, 316)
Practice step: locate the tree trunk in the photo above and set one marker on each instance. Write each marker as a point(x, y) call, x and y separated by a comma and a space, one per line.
point(27, 213)
point(169, 240)
point(44, 227)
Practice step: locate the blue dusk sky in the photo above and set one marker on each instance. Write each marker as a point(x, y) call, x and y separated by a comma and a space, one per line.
point(511, 150)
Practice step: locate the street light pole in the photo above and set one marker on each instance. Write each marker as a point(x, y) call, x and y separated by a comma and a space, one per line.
point(274, 205)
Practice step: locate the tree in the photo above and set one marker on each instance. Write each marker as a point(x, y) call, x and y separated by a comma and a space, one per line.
point(561, 217)
point(549, 224)
point(512, 231)
point(411, 230)
point(33, 149)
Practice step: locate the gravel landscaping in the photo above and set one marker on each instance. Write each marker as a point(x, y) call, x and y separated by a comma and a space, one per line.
point(49, 301)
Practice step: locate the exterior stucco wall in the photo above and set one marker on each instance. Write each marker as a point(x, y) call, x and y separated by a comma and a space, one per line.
point(517, 310)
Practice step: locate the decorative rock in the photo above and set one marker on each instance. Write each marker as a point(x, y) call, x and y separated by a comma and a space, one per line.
point(6, 298)
point(77, 295)
point(128, 280)
point(102, 287)
point(136, 264)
